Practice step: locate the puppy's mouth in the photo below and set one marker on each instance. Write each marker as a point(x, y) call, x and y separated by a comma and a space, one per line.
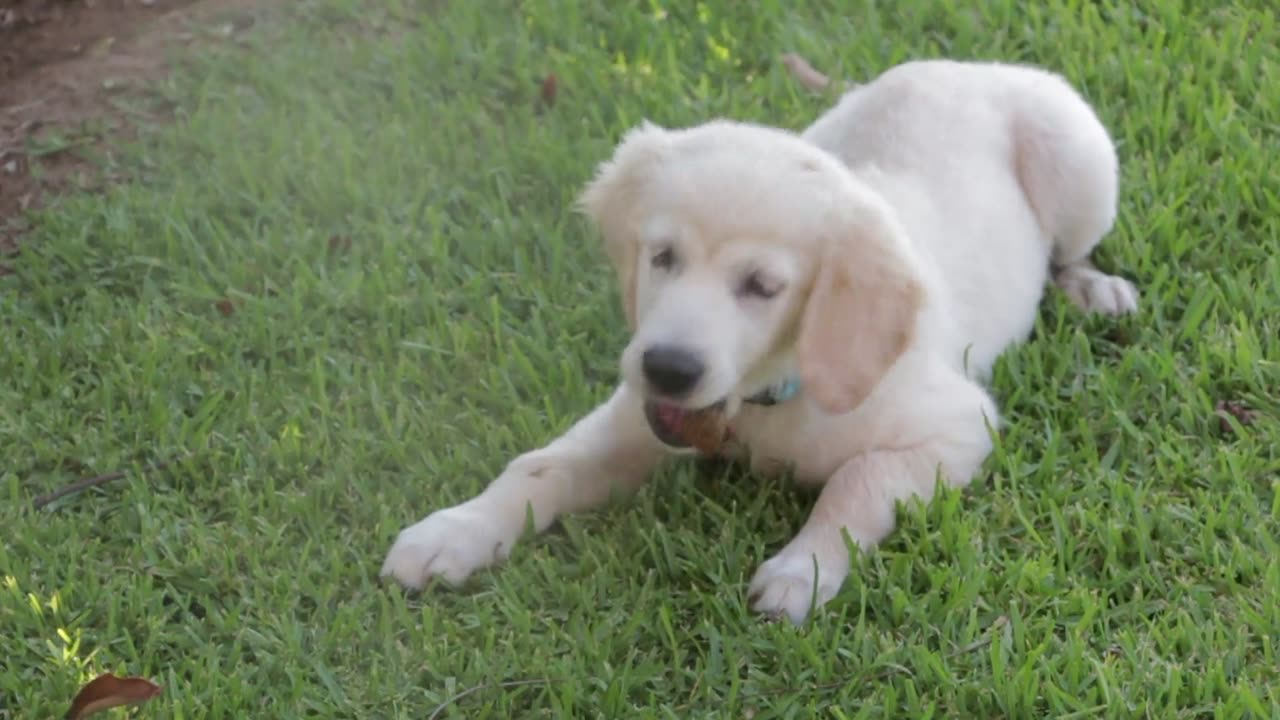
point(672, 424)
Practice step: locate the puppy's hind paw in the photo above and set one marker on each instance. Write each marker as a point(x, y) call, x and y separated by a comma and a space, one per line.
point(1095, 291)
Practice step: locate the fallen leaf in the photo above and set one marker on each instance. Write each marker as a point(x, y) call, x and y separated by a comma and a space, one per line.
point(101, 47)
point(549, 89)
point(242, 22)
point(226, 306)
point(108, 691)
point(805, 73)
point(1235, 409)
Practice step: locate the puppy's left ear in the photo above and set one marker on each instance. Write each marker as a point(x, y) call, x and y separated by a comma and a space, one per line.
point(610, 200)
point(861, 313)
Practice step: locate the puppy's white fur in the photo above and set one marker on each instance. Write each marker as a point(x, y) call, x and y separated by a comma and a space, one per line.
point(906, 238)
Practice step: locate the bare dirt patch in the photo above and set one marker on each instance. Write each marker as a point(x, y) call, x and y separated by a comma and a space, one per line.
point(65, 65)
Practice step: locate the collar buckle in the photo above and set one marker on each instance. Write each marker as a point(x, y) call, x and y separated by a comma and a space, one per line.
point(777, 393)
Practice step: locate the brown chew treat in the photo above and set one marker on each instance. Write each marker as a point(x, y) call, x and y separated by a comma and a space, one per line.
point(706, 429)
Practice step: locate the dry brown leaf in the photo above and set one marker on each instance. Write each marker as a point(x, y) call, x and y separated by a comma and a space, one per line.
point(549, 89)
point(1235, 409)
point(226, 306)
point(108, 691)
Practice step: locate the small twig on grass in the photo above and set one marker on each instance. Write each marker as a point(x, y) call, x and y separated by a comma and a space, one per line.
point(808, 76)
point(85, 484)
point(805, 73)
point(486, 686)
point(14, 110)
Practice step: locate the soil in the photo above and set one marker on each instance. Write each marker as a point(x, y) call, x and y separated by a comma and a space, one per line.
point(64, 65)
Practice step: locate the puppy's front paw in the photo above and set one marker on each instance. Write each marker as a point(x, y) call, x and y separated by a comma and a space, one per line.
point(449, 544)
point(785, 584)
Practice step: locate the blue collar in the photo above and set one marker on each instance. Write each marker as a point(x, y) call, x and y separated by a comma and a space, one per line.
point(777, 393)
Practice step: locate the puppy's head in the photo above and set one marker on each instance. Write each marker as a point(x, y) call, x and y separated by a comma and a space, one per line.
point(745, 254)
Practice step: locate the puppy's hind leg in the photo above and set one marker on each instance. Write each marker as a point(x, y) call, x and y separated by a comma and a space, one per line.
point(1068, 169)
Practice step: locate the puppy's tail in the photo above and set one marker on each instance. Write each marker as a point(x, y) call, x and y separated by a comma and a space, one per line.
point(808, 76)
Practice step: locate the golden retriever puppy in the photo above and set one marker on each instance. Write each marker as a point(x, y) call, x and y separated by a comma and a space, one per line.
point(839, 294)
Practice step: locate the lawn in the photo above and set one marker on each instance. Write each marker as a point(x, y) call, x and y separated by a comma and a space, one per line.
point(346, 285)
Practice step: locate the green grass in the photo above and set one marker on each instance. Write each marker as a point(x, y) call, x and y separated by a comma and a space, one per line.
point(1117, 557)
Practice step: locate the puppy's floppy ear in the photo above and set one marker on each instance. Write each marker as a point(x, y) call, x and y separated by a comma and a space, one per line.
point(861, 313)
point(610, 201)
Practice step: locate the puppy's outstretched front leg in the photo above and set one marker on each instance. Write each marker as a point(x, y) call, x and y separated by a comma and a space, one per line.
point(609, 451)
point(860, 499)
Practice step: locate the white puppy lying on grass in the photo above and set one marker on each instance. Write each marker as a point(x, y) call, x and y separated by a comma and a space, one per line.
point(834, 295)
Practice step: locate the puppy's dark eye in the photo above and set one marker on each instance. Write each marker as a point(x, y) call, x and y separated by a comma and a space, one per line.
point(665, 259)
point(758, 286)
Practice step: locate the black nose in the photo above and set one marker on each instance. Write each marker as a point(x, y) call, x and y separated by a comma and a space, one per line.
point(672, 369)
